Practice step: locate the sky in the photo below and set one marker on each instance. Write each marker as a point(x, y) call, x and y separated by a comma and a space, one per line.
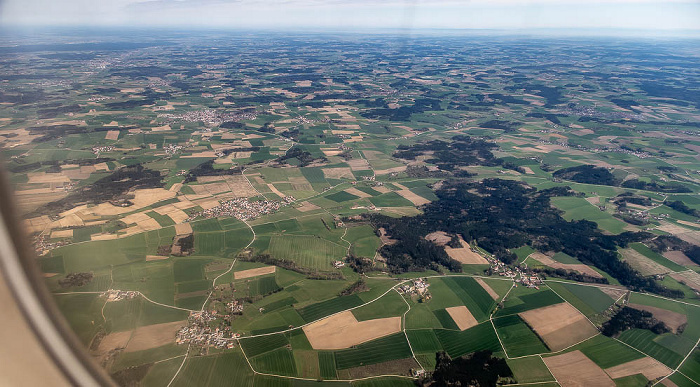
point(642, 16)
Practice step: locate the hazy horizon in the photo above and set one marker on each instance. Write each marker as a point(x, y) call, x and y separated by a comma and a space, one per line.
point(568, 17)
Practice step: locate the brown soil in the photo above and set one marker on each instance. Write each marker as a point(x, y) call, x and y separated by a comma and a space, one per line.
point(306, 207)
point(357, 192)
point(358, 164)
point(465, 255)
point(153, 336)
point(337, 173)
point(254, 272)
point(183, 229)
point(679, 258)
point(575, 369)
point(414, 198)
point(581, 268)
point(643, 264)
point(462, 317)
point(438, 237)
point(650, 368)
point(559, 325)
point(488, 289)
point(673, 320)
point(111, 342)
point(342, 330)
point(689, 278)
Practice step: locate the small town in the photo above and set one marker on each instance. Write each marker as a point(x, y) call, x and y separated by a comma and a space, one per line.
point(243, 209)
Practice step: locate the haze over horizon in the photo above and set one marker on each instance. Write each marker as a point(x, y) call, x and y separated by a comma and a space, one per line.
point(626, 15)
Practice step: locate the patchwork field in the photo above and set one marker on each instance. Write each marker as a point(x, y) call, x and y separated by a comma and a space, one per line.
point(306, 251)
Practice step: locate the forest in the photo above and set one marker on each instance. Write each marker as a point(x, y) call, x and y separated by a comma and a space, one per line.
point(476, 369)
point(499, 215)
point(628, 318)
point(460, 151)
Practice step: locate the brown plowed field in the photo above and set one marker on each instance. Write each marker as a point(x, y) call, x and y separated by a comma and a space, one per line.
point(574, 369)
point(254, 272)
point(342, 330)
point(462, 317)
point(650, 368)
point(559, 325)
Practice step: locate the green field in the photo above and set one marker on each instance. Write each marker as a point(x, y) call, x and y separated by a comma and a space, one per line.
point(277, 362)
point(523, 299)
point(389, 305)
point(326, 362)
point(474, 297)
point(376, 351)
point(420, 316)
point(576, 208)
point(384, 382)
point(478, 338)
point(262, 286)
point(530, 370)
point(390, 199)
point(364, 241)
point(445, 319)
point(607, 352)
point(226, 369)
point(643, 340)
point(517, 337)
point(255, 346)
point(587, 299)
point(424, 341)
point(658, 258)
point(306, 251)
point(316, 311)
point(691, 366)
point(341, 196)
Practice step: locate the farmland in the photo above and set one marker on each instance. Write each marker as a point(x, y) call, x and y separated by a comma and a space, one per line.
point(337, 208)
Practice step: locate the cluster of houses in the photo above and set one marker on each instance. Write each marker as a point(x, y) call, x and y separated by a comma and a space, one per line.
point(517, 274)
point(234, 307)
point(42, 244)
point(243, 209)
point(171, 149)
point(418, 286)
point(100, 149)
point(118, 295)
point(198, 332)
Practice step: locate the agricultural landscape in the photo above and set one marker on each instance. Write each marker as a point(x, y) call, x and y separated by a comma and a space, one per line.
point(263, 209)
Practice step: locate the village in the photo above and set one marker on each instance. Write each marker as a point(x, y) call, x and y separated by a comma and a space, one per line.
point(198, 332)
point(243, 209)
